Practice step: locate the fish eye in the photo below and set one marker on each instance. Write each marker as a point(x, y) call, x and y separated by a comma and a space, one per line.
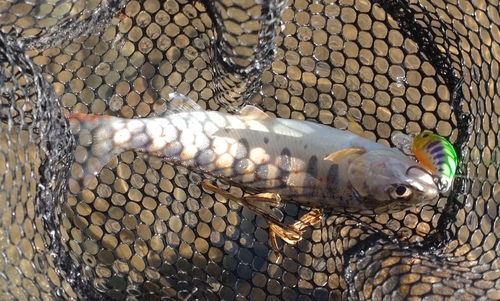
point(401, 192)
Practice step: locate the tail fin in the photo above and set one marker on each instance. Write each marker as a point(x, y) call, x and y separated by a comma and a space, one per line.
point(95, 145)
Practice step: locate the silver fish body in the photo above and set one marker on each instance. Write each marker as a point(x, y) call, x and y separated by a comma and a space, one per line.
point(267, 154)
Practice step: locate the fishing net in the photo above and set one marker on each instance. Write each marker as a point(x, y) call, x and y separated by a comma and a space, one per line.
point(146, 230)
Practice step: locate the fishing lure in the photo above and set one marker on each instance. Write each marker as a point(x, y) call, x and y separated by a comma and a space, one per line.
point(282, 160)
point(434, 152)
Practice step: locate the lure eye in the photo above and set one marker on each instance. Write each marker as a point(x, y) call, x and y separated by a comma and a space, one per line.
point(401, 192)
point(443, 185)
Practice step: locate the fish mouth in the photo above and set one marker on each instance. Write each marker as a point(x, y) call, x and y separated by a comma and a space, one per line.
point(424, 182)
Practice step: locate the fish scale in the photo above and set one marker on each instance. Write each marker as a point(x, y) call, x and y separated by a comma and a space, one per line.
point(282, 156)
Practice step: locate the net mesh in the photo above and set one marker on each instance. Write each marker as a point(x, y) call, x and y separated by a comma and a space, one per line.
point(146, 230)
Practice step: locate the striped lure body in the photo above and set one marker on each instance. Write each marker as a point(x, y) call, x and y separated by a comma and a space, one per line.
point(303, 162)
point(438, 155)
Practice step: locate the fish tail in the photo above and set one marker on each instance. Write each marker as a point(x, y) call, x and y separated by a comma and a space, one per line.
point(95, 144)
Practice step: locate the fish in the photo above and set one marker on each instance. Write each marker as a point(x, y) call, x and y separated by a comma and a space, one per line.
point(435, 153)
point(278, 160)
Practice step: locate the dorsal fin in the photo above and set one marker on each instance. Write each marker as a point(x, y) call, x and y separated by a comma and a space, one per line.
point(177, 103)
point(354, 127)
point(253, 113)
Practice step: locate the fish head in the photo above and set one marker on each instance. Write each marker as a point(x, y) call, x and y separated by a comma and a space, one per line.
point(387, 181)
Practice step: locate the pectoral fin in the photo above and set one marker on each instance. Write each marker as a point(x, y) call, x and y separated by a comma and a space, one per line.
point(337, 156)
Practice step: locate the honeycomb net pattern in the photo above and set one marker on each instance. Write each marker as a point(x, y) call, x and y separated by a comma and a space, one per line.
point(146, 230)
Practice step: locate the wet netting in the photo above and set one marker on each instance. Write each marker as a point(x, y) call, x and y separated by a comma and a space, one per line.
point(146, 230)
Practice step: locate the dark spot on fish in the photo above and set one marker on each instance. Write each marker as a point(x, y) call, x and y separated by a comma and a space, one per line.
point(242, 150)
point(312, 166)
point(266, 140)
point(203, 157)
point(332, 180)
point(286, 152)
point(305, 146)
point(262, 170)
point(141, 141)
point(285, 160)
